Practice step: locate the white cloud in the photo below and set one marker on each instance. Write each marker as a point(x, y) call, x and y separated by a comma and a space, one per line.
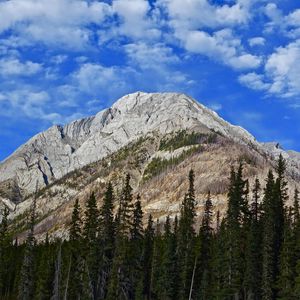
point(288, 24)
point(94, 78)
point(195, 14)
point(222, 46)
point(135, 19)
point(281, 73)
point(283, 68)
point(59, 22)
point(254, 81)
point(13, 66)
point(150, 56)
point(256, 41)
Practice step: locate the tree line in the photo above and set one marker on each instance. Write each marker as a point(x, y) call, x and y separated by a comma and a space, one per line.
point(251, 253)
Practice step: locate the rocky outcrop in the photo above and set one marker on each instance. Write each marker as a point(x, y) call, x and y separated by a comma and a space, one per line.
point(52, 154)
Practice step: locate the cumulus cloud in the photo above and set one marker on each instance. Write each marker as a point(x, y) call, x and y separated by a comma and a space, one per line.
point(135, 19)
point(222, 46)
point(150, 57)
point(93, 78)
point(13, 66)
point(196, 14)
point(256, 41)
point(281, 73)
point(254, 81)
point(60, 22)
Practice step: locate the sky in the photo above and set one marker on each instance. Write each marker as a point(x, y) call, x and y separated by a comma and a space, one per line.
point(62, 60)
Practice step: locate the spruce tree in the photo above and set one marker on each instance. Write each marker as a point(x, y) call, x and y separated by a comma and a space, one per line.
point(252, 280)
point(136, 244)
point(285, 281)
point(75, 285)
point(106, 240)
point(236, 215)
point(205, 252)
point(26, 284)
point(5, 245)
point(268, 255)
point(90, 232)
point(169, 263)
point(186, 238)
point(120, 286)
point(147, 259)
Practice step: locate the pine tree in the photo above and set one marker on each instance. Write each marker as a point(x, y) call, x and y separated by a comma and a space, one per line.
point(90, 232)
point(120, 286)
point(157, 264)
point(26, 284)
point(169, 263)
point(204, 256)
point(236, 215)
point(253, 249)
point(75, 289)
point(186, 238)
point(56, 291)
point(285, 281)
point(147, 259)
point(268, 259)
point(5, 244)
point(136, 243)
point(106, 240)
point(45, 271)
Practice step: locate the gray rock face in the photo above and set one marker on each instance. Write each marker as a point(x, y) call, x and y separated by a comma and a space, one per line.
point(59, 150)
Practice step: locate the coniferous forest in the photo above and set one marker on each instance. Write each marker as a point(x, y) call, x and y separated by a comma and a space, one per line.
point(253, 252)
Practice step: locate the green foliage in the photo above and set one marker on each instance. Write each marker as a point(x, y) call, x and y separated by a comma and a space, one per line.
point(253, 253)
point(183, 138)
point(157, 165)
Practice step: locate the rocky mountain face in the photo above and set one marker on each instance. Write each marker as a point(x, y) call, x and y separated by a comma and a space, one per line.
point(61, 149)
point(155, 137)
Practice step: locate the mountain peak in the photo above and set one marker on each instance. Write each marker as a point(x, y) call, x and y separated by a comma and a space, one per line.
point(59, 150)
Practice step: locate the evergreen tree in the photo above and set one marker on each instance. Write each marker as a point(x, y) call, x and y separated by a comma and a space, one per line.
point(5, 245)
point(120, 286)
point(45, 271)
point(268, 256)
point(106, 240)
point(90, 232)
point(169, 263)
point(147, 259)
point(26, 284)
point(236, 215)
point(285, 282)
point(186, 239)
point(204, 259)
point(75, 285)
point(136, 243)
point(253, 251)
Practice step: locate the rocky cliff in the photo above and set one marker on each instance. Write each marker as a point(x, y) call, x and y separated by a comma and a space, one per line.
point(61, 149)
point(157, 138)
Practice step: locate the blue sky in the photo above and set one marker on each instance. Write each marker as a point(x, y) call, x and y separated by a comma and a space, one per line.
point(61, 60)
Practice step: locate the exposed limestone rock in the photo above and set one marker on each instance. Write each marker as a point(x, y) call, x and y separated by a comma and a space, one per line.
point(52, 154)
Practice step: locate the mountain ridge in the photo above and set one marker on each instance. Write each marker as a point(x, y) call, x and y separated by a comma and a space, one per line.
point(50, 155)
point(155, 137)
point(53, 153)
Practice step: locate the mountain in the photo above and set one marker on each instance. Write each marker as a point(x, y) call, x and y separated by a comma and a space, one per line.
point(156, 137)
point(61, 149)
